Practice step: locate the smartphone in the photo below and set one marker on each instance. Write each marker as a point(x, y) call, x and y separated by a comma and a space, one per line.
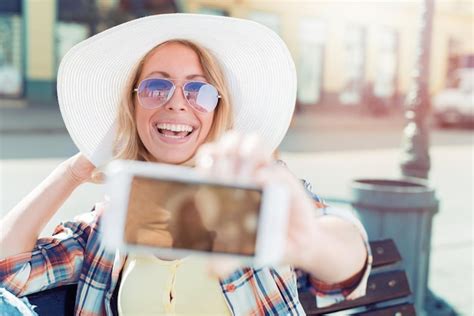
point(174, 211)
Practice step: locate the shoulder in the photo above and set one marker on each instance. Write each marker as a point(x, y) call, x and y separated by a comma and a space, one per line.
point(305, 183)
point(82, 227)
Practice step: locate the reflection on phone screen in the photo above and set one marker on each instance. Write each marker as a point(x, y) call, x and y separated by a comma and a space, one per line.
point(195, 216)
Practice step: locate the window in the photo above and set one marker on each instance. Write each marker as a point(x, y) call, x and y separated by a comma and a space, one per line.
point(386, 63)
point(354, 65)
point(213, 11)
point(11, 53)
point(271, 20)
point(310, 62)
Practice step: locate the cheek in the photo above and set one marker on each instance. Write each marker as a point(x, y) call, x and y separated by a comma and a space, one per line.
point(141, 120)
point(206, 124)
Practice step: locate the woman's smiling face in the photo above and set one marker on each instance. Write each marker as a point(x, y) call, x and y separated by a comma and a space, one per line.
point(164, 131)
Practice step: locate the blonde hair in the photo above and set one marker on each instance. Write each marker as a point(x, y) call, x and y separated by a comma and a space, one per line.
point(127, 142)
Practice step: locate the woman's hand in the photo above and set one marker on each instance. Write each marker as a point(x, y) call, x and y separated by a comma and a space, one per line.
point(237, 157)
point(79, 169)
point(330, 248)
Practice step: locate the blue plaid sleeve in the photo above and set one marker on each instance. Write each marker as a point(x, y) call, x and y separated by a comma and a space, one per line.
point(54, 261)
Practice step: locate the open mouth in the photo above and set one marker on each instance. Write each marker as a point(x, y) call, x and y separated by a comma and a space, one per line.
point(176, 131)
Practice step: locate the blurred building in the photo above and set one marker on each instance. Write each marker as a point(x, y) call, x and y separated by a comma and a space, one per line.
point(347, 53)
point(35, 35)
point(359, 52)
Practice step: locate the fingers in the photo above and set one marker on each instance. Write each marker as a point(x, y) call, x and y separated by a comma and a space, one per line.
point(97, 177)
point(80, 170)
point(244, 157)
point(234, 156)
point(300, 215)
point(253, 156)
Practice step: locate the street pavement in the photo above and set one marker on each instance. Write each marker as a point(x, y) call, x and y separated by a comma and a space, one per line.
point(31, 149)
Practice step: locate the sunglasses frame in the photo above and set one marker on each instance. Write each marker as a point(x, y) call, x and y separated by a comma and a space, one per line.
point(174, 90)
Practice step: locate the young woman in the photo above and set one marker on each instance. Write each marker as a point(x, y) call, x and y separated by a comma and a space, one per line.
point(166, 89)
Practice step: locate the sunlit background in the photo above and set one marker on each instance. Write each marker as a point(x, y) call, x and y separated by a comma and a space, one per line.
point(355, 61)
point(346, 52)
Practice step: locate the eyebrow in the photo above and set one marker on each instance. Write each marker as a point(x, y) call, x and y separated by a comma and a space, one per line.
point(167, 75)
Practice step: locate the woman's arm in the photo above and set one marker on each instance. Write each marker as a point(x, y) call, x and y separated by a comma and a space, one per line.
point(324, 243)
point(22, 225)
point(55, 260)
point(334, 250)
point(331, 247)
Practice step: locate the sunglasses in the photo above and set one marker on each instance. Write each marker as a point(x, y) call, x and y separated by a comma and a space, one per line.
point(155, 92)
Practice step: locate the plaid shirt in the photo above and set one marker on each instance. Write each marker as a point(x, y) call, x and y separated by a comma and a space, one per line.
point(75, 254)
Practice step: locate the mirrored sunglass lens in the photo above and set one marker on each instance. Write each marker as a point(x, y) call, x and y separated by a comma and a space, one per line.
point(202, 96)
point(154, 92)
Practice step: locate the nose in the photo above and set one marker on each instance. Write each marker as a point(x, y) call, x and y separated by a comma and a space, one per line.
point(177, 102)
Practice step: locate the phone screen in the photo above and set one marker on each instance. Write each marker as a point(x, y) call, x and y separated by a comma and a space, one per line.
point(194, 216)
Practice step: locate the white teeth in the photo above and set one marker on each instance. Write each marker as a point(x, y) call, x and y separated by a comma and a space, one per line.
point(175, 127)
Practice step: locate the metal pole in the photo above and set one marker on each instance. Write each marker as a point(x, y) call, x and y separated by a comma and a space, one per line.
point(415, 161)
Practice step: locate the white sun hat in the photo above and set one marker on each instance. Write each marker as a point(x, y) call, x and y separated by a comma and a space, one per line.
point(257, 65)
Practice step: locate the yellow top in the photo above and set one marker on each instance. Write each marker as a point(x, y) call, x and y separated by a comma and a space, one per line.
point(151, 286)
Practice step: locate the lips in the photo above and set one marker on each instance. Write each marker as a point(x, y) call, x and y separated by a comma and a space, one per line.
point(173, 133)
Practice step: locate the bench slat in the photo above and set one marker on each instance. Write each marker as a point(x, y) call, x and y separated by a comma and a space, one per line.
point(384, 252)
point(399, 310)
point(381, 287)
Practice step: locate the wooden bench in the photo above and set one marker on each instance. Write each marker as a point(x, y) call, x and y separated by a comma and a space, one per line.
point(388, 292)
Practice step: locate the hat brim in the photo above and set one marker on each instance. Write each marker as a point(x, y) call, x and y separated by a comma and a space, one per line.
point(257, 65)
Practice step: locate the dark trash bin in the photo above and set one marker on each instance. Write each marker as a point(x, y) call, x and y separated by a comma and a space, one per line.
point(401, 209)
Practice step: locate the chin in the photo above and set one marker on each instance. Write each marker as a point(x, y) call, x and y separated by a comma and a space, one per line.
point(174, 158)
